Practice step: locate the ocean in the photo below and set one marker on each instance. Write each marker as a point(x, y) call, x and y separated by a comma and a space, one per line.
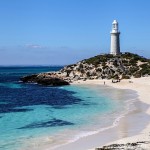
point(40, 117)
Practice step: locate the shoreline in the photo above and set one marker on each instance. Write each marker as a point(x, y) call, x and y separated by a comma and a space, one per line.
point(141, 86)
point(142, 139)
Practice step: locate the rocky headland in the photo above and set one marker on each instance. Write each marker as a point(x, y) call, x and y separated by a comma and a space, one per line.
point(107, 66)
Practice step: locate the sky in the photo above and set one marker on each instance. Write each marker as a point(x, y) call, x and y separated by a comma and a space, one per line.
point(60, 32)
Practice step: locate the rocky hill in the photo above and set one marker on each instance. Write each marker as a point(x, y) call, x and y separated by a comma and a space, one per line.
point(105, 66)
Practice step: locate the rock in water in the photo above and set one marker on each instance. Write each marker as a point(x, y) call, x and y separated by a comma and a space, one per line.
point(30, 78)
point(44, 80)
point(52, 82)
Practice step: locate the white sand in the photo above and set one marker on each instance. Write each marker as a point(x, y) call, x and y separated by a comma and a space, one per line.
point(142, 86)
point(126, 124)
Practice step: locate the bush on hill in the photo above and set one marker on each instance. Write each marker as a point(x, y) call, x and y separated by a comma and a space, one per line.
point(98, 59)
point(137, 75)
point(125, 77)
point(133, 69)
point(145, 69)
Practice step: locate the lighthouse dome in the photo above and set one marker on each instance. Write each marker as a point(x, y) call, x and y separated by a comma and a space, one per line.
point(115, 22)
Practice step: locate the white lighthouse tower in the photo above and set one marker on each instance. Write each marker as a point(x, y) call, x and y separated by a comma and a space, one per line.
point(115, 41)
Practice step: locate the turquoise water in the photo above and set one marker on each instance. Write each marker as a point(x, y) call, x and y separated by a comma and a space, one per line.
point(36, 117)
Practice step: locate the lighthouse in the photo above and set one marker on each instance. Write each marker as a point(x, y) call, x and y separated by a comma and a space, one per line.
point(115, 41)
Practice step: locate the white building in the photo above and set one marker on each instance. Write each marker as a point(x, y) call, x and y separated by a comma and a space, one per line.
point(115, 41)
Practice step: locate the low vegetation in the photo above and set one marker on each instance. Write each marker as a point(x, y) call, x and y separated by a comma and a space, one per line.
point(107, 66)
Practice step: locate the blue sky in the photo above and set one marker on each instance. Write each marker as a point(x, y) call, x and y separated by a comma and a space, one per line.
point(55, 32)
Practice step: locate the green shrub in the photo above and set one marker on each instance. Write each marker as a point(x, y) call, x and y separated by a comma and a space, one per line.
point(115, 63)
point(103, 64)
point(116, 77)
point(137, 75)
point(98, 69)
point(133, 62)
point(143, 60)
point(144, 65)
point(133, 69)
point(125, 77)
point(145, 69)
point(104, 67)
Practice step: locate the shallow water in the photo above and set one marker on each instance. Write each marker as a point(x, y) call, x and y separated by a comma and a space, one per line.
point(34, 117)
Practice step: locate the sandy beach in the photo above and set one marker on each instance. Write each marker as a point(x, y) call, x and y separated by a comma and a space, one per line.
point(133, 130)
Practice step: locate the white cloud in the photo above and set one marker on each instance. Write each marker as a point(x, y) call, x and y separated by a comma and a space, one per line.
point(34, 46)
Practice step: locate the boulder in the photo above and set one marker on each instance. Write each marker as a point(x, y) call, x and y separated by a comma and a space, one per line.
point(64, 74)
point(44, 80)
point(71, 74)
point(52, 82)
point(31, 78)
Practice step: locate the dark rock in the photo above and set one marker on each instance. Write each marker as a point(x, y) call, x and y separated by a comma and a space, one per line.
point(44, 80)
point(30, 78)
point(52, 81)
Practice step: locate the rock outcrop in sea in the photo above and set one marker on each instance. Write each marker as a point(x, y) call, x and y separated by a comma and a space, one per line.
point(107, 66)
point(50, 79)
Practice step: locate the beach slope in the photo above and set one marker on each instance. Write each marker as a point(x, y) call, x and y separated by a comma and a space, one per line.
point(132, 131)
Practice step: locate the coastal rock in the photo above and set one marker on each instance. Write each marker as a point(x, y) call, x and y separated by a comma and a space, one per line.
point(31, 78)
point(52, 82)
point(44, 79)
point(71, 74)
point(64, 74)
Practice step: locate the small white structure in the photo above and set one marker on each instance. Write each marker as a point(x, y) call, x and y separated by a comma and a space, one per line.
point(115, 41)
